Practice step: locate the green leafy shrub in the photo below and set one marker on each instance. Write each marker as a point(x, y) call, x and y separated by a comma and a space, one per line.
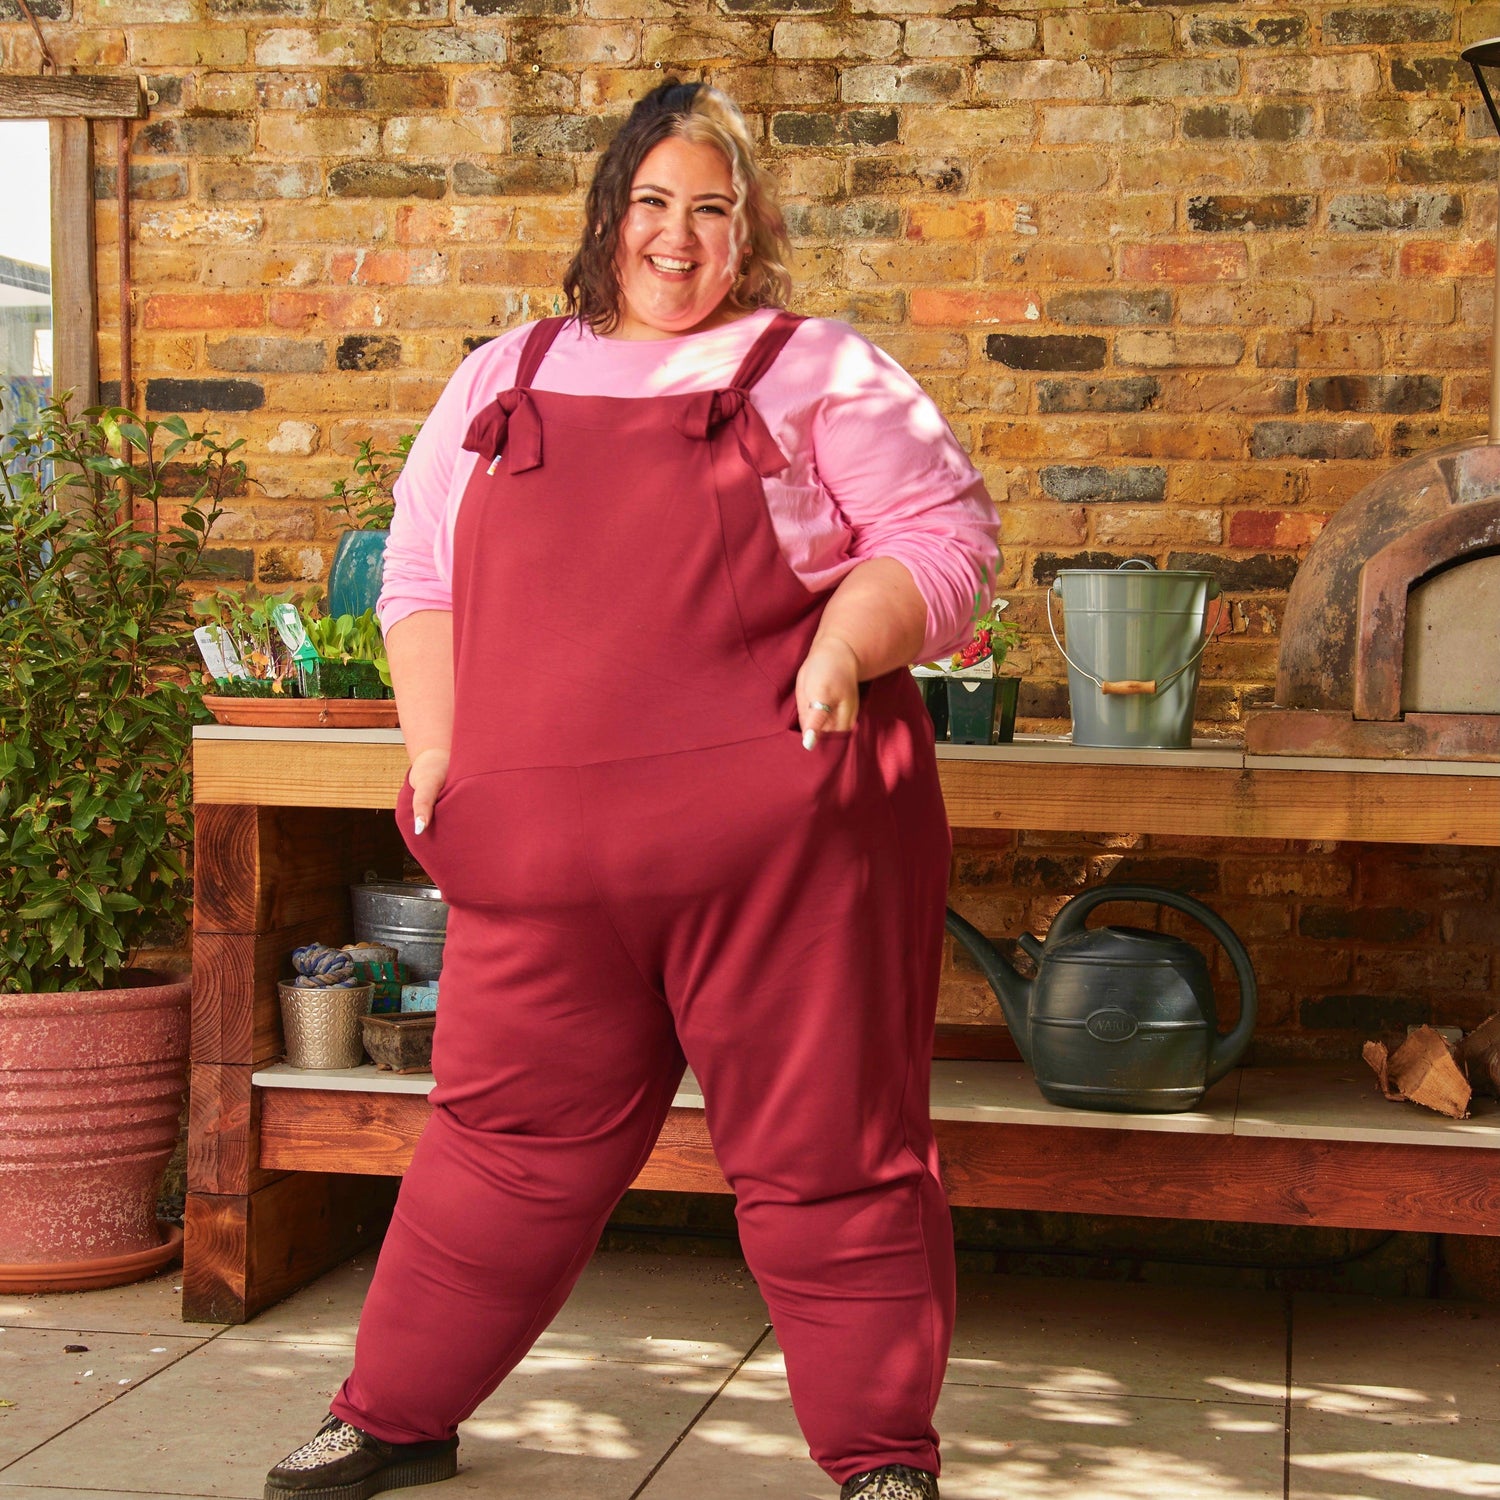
point(96, 704)
point(366, 501)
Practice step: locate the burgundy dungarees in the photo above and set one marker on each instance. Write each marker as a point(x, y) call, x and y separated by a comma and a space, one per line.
point(643, 865)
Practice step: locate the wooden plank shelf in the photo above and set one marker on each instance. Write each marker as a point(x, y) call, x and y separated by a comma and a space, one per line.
point(1310, 1143)
point(1312, 1101)
point(1212, 789)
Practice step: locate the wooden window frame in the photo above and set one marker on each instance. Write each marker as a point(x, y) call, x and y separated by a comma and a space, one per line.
point(70, 103)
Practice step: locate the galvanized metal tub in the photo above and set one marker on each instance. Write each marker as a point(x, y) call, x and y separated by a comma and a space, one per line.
point(413, 919)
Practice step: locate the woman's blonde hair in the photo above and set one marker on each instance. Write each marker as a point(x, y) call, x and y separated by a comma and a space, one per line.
point(703, 115)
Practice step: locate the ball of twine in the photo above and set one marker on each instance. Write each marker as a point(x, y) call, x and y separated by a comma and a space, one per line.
point(320, 967)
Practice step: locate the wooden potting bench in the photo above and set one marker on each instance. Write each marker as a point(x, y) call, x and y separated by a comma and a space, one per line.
point(290, 1172)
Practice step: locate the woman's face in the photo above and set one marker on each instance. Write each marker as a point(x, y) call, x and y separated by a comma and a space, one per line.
point(672, 258)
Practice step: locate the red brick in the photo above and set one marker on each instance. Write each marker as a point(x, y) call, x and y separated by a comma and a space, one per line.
point(934, 307)
point(204, 310)
point(1274, 528)
point(389, 268)
point(337, 310)
point(1228, 261)
point(1445, 258)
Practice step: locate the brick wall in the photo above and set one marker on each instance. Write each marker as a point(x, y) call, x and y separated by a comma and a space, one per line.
point(1349, 941)
point(1183, 277)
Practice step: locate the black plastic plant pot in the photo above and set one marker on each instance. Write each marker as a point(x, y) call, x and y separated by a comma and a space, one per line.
point(342, 679)
point(982, 710)
point(254, 687)
point(935, 696)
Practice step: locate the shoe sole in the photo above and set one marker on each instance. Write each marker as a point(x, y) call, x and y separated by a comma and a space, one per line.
point(398, 1477)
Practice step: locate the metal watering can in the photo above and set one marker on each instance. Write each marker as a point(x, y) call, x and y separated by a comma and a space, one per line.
point(1118, 1018)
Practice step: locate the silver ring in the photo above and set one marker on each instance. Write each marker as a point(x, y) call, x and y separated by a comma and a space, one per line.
point(822, 708)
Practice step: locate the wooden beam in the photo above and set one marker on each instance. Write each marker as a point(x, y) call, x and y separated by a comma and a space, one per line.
point(1159, 1174)
point(1395, 808)
point(224, 1131)
point(1234, 802)
point(242, 1254)
point(75, 345)
point(236, 1007)
point(48, 97)
point(975, 1042)
point(259, 868)
point(299, 773)
point(339, 1130)
point(1233, 1178)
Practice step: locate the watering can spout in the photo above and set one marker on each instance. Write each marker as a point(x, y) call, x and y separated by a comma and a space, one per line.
point(1012, 991)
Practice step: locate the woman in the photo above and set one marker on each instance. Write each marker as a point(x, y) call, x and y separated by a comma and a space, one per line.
point(679, 790)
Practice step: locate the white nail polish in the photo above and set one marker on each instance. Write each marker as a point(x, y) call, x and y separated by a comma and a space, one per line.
point(809, 738)
point(418, 824)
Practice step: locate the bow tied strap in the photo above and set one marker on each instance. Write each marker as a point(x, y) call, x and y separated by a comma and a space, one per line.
point(704, 414)
point(509, 424)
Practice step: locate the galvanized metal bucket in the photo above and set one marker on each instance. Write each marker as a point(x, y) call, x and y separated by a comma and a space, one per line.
point(1136, 638)
point(411, 918)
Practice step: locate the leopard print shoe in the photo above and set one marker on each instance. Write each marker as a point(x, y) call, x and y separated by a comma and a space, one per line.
point(342, 1462)
point(893, 1482)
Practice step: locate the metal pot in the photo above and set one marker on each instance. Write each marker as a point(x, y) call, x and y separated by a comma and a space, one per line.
point(411, 918)
point(321, 1024)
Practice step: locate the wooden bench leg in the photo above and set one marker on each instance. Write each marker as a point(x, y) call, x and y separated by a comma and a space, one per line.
point(243, 1253)
point(265, 880)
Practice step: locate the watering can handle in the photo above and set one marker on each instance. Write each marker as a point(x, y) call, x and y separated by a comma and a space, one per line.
point(1226, 1049)
point(1127, 688)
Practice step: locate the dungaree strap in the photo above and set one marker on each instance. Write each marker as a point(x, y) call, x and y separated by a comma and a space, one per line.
point(703, 414)
point(537, 344)
point(762, 353)
point(510, 425)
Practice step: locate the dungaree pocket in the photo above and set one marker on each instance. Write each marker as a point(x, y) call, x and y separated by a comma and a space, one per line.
point(499, 838)
point(424, 846)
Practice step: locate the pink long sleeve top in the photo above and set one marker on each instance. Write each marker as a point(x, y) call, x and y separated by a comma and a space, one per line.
point(874, 469)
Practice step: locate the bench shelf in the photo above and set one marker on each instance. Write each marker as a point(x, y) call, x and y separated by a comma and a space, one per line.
point(290, 1172)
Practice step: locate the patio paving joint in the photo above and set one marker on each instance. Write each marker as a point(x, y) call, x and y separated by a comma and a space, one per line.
point(134, 1386)
point(699, 1415)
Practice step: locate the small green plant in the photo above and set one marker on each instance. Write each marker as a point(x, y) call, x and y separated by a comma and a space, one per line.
point(993, 637)
point(244, 620)
point(104, 520)
point(346, 641)
point(366, 501)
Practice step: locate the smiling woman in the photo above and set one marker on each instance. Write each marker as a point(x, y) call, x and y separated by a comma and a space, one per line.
point(676, 254)
point(700, 857)
point(679, 199)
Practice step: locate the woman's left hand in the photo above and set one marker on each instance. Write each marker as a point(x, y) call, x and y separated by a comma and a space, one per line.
point(827, 689)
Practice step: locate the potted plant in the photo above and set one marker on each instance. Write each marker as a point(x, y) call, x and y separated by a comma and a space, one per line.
point(355, 575)
point(104, 519)
point(298, 668)
point(242, 645)
point(977, 705)
point(351, 660)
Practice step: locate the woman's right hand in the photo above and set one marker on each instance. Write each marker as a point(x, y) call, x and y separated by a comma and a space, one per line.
point(427, 774)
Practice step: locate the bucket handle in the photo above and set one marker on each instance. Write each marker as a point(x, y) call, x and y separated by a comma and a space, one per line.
point(1128, 688)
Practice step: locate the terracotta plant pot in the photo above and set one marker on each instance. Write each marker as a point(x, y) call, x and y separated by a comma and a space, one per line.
point(91, 1090)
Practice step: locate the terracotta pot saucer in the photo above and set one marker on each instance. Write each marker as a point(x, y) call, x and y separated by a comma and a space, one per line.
point(305, 713)
point(90, 1275)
